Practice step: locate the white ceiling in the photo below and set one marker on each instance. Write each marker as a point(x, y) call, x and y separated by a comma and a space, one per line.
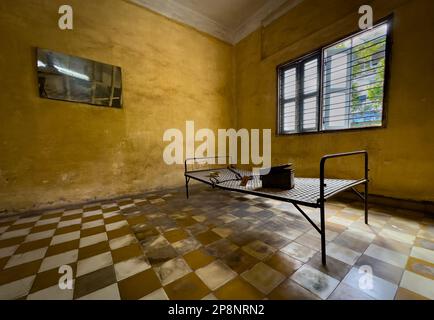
point(228, 13)
point(228, 20)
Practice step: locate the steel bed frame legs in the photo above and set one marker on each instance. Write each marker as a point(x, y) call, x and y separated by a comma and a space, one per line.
point(187, 180)
point(322, 199)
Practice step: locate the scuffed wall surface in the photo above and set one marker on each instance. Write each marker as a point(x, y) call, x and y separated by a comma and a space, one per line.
point(401, 155)
point(53, 151)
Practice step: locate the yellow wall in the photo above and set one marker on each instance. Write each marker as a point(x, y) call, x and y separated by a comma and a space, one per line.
point(54, 151)
point(401, 155)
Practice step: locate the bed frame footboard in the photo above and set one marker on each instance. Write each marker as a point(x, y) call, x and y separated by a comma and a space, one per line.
point(322, 199)
point(318, 203)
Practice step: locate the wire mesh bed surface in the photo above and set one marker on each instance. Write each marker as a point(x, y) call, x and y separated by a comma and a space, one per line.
point(306, 190)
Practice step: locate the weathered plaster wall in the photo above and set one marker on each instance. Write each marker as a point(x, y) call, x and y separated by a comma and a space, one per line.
point(401, 155)
point(54, 151)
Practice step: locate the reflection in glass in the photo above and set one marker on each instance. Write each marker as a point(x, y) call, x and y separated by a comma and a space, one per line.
point(64, 77)
point(353, 83)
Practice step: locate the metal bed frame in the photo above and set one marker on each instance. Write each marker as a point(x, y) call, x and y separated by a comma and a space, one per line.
point(308, 192)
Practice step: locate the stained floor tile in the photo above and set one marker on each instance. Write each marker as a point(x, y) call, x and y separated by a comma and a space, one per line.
point(172, 270)
point(238, 289)
point(372, 285)
point(158, 256)
point(175, 235)
point(398, 236)
point(158, 294)
point(334, 268)
point(56, 261)
point(215, 274)
point(16, 289)
point(283, 263)
point(127, 252)
point(122, 241)
point(381, 269)
point(110, 292)
point(342, 253)
point(239, 261)
point(221, 248)
point(223, 232)
point(186, 245)
point(216, 245)
point(315, 281)
point(198, 258)
point(93, 239)
point(259, 249)
point(386, 255)
point(139, 285)
point(49, 278)
point(93, 250)
point(298, 251)
point(353, 241)
point(263, 277)
point(29, 256)
point(422, 254)
point(346, 292)
point(418, 284)
point(290, 290)
point(130, 267)
point(52, 293)
point(94, 281)
point(65, 237)
point(189, 287)
point(404, 294)
point(207, 237)
point(94, 263)
point(421, 267)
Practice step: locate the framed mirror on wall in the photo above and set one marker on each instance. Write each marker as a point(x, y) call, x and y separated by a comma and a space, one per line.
point(70, 78)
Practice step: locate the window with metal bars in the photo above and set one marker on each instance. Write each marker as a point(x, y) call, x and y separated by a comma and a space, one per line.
point(351, 75)
point(299, 95)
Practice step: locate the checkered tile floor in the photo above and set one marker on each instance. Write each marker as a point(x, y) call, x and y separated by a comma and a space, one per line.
point(216, 245)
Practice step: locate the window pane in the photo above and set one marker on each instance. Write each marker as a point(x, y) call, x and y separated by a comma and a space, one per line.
point(374, 35)
point(299, 87)
point(340, 46)
point(289, 117)
point(335, 117)
point(336, 86)
point(289, 84)
point(310, 106)
point(311, 77)
point(339, 71)
point(354, 80)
